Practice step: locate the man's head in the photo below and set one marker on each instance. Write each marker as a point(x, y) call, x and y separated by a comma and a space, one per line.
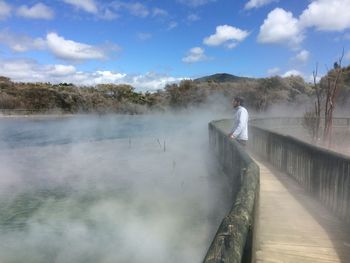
point(237, 101)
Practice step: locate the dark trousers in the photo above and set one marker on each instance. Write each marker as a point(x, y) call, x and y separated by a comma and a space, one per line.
point(242, 142)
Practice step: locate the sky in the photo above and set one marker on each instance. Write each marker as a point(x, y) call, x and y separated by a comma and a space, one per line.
point(151, 43)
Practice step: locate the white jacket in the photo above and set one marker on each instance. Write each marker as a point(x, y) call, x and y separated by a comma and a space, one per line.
point(240, 124)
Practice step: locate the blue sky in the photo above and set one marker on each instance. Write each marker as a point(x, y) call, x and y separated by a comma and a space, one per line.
point(153, 42)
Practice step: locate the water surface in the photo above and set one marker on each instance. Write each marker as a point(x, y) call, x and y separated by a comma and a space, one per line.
point(107, 189)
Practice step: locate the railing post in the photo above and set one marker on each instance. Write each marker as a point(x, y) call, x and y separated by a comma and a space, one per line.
point(268, 147)
point(315, 179)
point(284, 157)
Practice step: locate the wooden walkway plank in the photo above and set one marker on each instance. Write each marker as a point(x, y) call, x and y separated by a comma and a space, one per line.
point(293, 227)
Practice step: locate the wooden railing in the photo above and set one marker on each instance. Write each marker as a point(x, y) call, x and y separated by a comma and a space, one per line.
point(322, 172)
point(233, 240)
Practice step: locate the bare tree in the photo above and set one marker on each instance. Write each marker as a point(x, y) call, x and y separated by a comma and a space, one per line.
point(332, 91)
point(312, 119)
point(317, 103)
point(326, 91)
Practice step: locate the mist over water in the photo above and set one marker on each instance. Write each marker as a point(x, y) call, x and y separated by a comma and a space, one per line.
point(108, 189)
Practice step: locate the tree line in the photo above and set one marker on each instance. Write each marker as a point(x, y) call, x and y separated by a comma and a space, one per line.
point(260, 95)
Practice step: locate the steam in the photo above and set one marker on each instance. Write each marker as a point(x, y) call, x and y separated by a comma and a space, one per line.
point(70, 196)
point(340, 131)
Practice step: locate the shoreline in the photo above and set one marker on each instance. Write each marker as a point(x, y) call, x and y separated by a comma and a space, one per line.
point(43, 115)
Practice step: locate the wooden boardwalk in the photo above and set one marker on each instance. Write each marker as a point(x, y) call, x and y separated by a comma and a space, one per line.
point(292, 226)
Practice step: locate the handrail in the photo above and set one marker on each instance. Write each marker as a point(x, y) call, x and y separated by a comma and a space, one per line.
point(323, 172)
point(233, 234)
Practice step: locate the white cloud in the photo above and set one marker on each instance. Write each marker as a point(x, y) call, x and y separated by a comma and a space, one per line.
point(5, 10)
point(172, 25)
point(195, 54)
point(106, 76)
point(138, 9)
point(20, 70)
point(347, 55)
point(231, 45)
point(86, 5)
point(302, 56)
point(150, 81)
point(193, 17)
point(61, 70)
point(310, 78)
point(71, 50)
point(292, 72)
point(195, 3)
point(135, 9)
point(58, 45)
point(144, 36)
point(37, 11)
point(21, 43)
point(273, 71)
point(102, 11)
point(110, 10)
point(226, 35)
point(280, 27)
point(257, 3)
point(327, 15)
point(159, 12)
point(26, 70)
point(107, 14)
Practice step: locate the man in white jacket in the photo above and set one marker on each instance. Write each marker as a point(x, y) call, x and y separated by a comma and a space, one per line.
point(239, 131)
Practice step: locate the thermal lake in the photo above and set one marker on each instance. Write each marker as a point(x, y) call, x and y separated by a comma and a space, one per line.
point(108, 189)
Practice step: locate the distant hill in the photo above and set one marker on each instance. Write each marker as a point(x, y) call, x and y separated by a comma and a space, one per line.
point(221, 77)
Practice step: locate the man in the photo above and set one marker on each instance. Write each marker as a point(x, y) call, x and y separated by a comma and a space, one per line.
point(239, 131)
